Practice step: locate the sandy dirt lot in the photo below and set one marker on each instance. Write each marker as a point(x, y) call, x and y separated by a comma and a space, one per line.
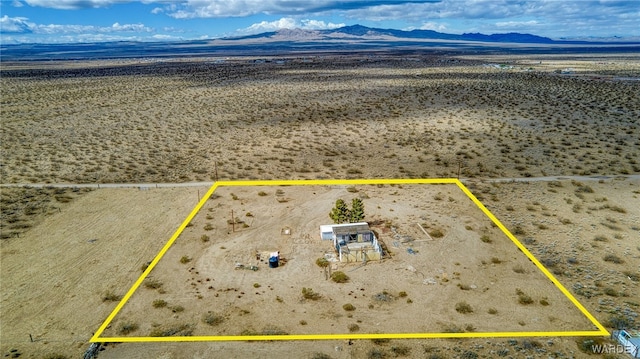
point(201, 278)
point(55, 277)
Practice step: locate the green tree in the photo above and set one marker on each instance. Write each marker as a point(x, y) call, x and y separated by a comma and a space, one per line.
point(357, 210)
point(340, 213)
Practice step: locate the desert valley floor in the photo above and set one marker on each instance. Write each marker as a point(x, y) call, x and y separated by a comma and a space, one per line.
point(566, 128)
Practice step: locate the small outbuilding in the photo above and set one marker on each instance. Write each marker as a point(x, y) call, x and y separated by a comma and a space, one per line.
point(354, 242)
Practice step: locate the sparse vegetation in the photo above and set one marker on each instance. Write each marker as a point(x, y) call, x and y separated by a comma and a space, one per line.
point(153, 284)
point(612, 258)
point(308, 293)
point(348, 307)
point(464, 308)
point(126, 327)
point(159, 303)
point(110, 296)
point(212, 318)
point(339, 277)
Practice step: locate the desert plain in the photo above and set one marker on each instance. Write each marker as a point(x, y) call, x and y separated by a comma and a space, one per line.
point(549, 143)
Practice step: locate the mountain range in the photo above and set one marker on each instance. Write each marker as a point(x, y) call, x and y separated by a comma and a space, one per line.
point(359, 32)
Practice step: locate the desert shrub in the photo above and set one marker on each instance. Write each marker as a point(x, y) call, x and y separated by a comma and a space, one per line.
point(144, 266)
point(212, 318)
point(109, 296)
point(613, 259)
point(308, 293)
point(185, 259)
point(586, 345)
point(436, 233)
point(384, 296)
point(153, 284)
point(208, 227)
point(322, 262)
point(495, 260)
point(523, 298)
point(464, 308)
point(464, 286)
point(519, 269)
point(617, 321)
point(159, 303)
point(262, 193)
point(610, 292)
point(600, 238)
point(618, 209)
point(469, 355)
point(339, 277)
point(400, 350)
point(470, 328)
point(348, 307)
point(127, 327)
point(320, 356)
point(544, 302)
point(256, 285)
point(584, 189)
point(402, 294)
point(376, 354)
point(492, 311)
point(633, 276)
point(486, 239)
point(204, 238)
point(273, 330)
point(303, 322)
point(529, 344)
point(519, 231)
point(353, 327)
point(178, 330)
point(380, 341)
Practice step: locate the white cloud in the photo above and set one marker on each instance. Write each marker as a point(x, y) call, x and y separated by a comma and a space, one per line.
point(157, 10)
point(433, 26)
point(516, 24)
point(22, 25)
point(17, 3)
point(15, 25)
point(288, 23)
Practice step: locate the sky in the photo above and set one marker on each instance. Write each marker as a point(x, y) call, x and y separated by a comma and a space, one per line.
point(70, 21)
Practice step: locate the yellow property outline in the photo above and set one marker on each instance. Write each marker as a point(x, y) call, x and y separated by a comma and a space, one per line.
point(96, 337)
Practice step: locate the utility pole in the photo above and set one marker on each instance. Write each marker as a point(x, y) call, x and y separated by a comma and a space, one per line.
point(216, 167)
point(459, 166)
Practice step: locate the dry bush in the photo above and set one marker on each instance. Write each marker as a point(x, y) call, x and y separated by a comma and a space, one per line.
point(464, 308)
point(126, 327)
point(339, 277)
point(212, 318)
point(348, 307)
point(308, 293)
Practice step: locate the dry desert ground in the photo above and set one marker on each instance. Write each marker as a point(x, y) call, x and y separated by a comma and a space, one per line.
point(69, 254)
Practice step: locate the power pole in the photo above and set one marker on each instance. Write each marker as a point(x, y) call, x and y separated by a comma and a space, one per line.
point(216, 167)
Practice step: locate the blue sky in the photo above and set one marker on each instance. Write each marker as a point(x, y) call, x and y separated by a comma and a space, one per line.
point(59, 21)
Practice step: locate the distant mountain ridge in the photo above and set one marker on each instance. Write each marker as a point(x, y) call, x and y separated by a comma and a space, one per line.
point(360, 31)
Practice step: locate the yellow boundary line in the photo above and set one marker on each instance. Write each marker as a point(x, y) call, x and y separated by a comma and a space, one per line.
point(96, 337)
